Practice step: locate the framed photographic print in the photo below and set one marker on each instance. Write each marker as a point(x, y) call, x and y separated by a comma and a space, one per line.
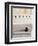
point(20, 22)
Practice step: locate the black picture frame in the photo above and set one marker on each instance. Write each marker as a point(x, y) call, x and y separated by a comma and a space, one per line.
point(7, 22)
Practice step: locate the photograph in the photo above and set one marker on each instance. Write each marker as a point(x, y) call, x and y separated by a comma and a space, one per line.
point(21, 22)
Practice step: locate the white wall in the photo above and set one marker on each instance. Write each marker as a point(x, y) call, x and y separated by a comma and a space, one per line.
point(2, 24)
point(37, 22)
